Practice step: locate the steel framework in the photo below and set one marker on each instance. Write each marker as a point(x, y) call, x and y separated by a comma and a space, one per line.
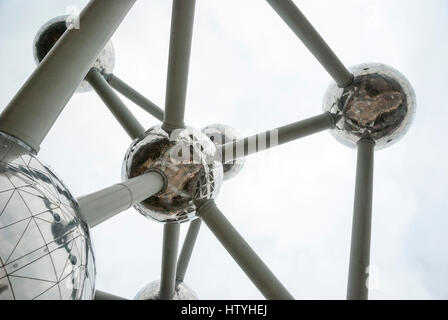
point(31, 114)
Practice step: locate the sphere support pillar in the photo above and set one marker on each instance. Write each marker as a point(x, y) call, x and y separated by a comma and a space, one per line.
point(178, 63)
point(357, 288)
point(169, 257)
point(187, 249)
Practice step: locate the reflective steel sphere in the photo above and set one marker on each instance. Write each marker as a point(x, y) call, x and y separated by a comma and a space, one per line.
point(380, 104)
point(49, 34)
point(45, 249)
point(221, 134)
point(151, 292)
point(187, 159)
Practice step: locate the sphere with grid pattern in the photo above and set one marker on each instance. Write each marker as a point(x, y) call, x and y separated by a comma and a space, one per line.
point(45, 248)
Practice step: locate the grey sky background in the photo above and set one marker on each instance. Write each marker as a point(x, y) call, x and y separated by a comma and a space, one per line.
point(293, 204)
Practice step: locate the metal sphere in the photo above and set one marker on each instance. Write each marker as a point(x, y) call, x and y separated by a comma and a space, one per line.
point(45, 249)
point(380, 104)
point(151, 292)
point(49, 34)
point(188, 161)
point(221, 134)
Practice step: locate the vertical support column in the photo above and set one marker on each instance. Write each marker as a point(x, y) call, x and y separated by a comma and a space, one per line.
point(169, 257)
point(34, 109)
point(101, 205)
point(179, 62)
point(187, 249)
point(362, 221)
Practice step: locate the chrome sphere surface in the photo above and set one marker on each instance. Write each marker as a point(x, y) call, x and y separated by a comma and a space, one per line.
point(45, 249)
point(380, 104)
point(151, 292)
point(221, 134)
point(49, 34)
point(187, 159)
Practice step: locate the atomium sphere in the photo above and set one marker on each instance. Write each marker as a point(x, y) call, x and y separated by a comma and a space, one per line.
point(151, 292)
point(49, 34)
point(221, 134)
point(45, 249)
point(188, 161)
point(380, 104)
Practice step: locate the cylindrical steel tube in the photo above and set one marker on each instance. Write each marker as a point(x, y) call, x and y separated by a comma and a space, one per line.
point(242, 253)
point(135, 96)
point(178, 63)
point(115, 105)
point(187, 249)
point(101, 295)
point(357, 288)
point(262, 141)
point(104, 204)
point(298, 23)
point(169, 257)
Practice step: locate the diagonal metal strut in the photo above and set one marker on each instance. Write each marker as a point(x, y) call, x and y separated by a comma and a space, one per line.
point(101, 295)
point(102, 205)
point(262, 141)
point(298, 23)
point(115, 105)
point(243, 254)
point(187, 249)
point(34, 109)
point(127, 91)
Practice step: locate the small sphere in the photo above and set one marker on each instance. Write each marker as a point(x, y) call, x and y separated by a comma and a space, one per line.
point(45, 248)
point(49, 34)
point(187, 159)
point(151, 292)
point(221, 134)
point(379, 104)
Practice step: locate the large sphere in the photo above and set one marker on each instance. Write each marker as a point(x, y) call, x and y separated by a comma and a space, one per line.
point(187, 159)
point(49, 34)
point(221, 134)
point(151, 292)
point(45, 249)
point(380, 104)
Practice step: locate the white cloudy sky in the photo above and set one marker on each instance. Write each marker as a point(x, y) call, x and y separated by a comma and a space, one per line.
point(293, 204)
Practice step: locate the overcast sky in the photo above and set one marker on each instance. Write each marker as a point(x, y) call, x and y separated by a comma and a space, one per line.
point(293, 204)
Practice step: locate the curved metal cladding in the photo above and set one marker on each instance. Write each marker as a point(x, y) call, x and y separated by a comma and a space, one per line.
point(380, 105)
point(187, 159)
point(151, 292)
point(45, 248)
